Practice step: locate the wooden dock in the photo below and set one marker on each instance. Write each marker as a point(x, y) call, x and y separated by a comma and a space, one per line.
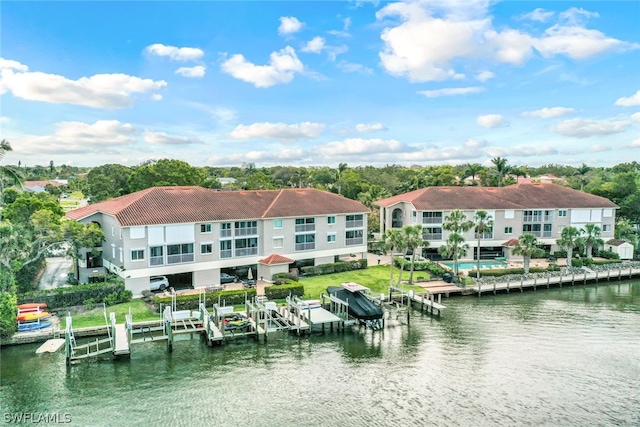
point(121, 341)
point(428, 300)
point(297, 324)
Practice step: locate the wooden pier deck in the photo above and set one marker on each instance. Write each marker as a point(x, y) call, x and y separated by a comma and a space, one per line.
point(121, 341)
point(297, 324)
point(424, 301)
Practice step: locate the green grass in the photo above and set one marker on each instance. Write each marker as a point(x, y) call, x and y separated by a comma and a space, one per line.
point(139, 310)
point(375, 278)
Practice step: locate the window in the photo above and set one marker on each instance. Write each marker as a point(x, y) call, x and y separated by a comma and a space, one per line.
point(246, 247)
point(121, 234)
point(606, 227)
point(225, 229)
point(562, 213)
point(532, 229)
point(354, 237)
point(432, 233)
point(331, 237)
point(179, 253)
point(246, 228)
point(205, 228)
point(156, 255)
point(225, 249)
point(532, 216)
point(331, 219)
point(113, 232)
point(305, 242)
point(432, 217)
point(206, 248)
point(305, 224)
point(509, 214)
point(355, 221)
point(120, 254)
point(548, 216)
point(113, 252)
point(137, 254)
point(508, 230)
point(277, 223)
point(546, 230)
point(278, 242)
point(486, 234)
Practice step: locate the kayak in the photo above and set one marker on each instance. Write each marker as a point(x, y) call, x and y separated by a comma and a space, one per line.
point(32, 305)
point(23, 327)
point(31, 317)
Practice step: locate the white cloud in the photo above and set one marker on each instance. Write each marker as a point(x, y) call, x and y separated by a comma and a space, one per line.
point(162, 138)
point(546, 113)
point(360, 146)
point(289, 25)
point(176, 53)
point(4, 119)
point(281, 131)
point(538, 14)
point(350, 67)
point(451, 91)
point(485, 75)
point(581, 128)
point(367, 128)
point(99, 91)
point(597, 148)
point(629, 101)
point(522, 151)
point(314, 45)
point(576, 15)
point(490, 121)
point(10, 64)
point(193, 72)
point(475, 143)
point(156, 97)
point(635, 143)
point(281, 69)
point(79, 137)
point(431, 38)
point(635, 117)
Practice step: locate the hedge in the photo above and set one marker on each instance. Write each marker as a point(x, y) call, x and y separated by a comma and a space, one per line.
point(108, 292)
point(428, 266)
point(504, 271)
point(608, 254)
point(283, 291)
point(190, 302)
point(336, 267)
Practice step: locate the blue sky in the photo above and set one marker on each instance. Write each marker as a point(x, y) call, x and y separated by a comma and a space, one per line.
point(308, 83)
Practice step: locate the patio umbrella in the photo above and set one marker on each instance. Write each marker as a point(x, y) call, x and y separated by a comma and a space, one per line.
point(250, 274)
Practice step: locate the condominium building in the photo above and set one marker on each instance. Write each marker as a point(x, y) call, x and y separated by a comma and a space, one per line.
point(194, 234)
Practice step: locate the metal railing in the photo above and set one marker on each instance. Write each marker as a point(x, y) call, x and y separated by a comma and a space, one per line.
point(305, 246)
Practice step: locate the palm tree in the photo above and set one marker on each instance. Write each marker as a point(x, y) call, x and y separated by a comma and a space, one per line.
point(569, 238)
point(10, 173)
point(392, 240)
point(625, 231)
point(472, 170)
point(501, 167)
point(582, 173)
point(454, 248)
point(413, 238)
point(527, 247)
point(457, 223)
point(484, 223)
point(592, 238)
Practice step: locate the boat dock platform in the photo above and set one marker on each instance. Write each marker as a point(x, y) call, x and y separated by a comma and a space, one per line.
point(423, 299)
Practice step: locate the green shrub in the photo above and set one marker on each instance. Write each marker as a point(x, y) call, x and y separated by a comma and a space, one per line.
point(283, 291)
point(497, 272)
point(27, 276)
point(587, 261)
point(89, 304)
point(606, 261)
point(73, 295)
point(190, 302)
point(576, 262)
point(608, 254)
point(280, 278)
point(336, 267)
point(560, 254)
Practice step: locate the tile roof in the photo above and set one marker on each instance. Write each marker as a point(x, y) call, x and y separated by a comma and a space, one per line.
point(29, 184)
point(274, 259)
point(616, 242)
point(517, 196)
point(175, 205)
point(511, 242)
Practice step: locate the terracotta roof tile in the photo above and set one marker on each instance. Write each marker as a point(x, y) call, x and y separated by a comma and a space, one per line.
point(511, 242)
point(175, 205)
point(274, 259)
point(517, 196)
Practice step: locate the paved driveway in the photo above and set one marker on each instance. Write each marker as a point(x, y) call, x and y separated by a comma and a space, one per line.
point(55, 273)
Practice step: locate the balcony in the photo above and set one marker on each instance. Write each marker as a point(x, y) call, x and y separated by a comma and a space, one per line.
point(225, 233)
point(305, 246)
point(180, 258)
point(354, 241)
point(432, 236)
point(359, 223)
point(432, 220)
point(227, 253)
point(156, 260)
point(246, 252)
point(251, 231)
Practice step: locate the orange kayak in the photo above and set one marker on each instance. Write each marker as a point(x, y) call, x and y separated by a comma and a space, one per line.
point(30, 317)
point(30, 306)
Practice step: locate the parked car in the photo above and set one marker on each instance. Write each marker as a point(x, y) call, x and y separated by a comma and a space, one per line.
point(227, 278)
point(158, 283)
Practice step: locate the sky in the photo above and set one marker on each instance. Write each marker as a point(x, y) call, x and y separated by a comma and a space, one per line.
point(307, 83)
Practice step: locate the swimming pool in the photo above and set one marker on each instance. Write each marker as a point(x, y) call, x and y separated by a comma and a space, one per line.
point(472, 265)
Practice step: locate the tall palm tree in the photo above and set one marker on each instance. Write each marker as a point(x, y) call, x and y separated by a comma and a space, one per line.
point(12, 174)
point(569, 238)
point(527, 247)
point(472, 170)
point(413, 238)
point(625, 231)
point(457, 223)
point(392, 240)
point(592, 238)
point(501, 167)
point(483, 223)
point(454, 248)
point(582, 173)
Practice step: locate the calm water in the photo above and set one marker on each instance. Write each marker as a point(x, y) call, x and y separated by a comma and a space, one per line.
point(564, 357)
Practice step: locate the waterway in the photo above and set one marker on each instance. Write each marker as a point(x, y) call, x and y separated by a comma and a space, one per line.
point(559, 357)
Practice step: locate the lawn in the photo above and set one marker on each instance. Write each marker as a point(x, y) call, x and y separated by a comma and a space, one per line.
point(139, 310)
point(375, 278)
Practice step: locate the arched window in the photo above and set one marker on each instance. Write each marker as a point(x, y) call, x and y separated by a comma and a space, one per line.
point(396, 218)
